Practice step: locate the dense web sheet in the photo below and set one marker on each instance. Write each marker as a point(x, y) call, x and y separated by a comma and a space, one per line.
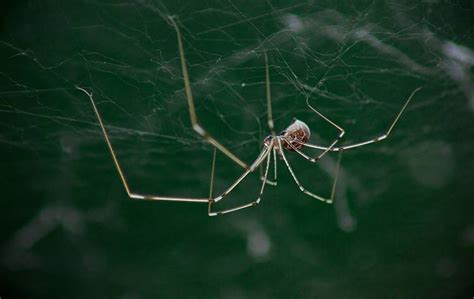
point(356, 63)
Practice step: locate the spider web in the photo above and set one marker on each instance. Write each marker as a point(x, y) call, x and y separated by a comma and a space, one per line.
point(356, 63)
point(356, 68)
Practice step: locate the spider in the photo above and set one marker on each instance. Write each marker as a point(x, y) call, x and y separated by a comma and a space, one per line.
point(292, 139)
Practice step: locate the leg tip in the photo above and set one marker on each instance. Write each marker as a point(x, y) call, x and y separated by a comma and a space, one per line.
point(217, 199)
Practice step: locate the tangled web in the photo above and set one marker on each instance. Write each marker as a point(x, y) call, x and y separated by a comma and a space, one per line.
point(357, 64)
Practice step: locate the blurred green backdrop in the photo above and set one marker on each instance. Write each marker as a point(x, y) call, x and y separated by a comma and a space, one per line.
point(402, 223)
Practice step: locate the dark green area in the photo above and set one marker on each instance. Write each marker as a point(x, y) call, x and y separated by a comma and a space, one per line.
point(402, 223)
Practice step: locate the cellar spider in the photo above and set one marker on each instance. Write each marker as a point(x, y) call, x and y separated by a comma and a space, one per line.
point(292, 139)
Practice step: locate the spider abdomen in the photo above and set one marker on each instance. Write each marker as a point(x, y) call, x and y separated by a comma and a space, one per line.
point(297, 134)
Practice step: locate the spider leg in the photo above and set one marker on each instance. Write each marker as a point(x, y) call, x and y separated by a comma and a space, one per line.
point(327, 200)
point(192, 111)
point(269, 97)
point(211, 185)
point(331, 146)
point(119, 168)
point(273, 182)
point(301, 153)
point(263, 155)
point(270, 122)
point(266, 153)
point(377, 139)
point(275, 174)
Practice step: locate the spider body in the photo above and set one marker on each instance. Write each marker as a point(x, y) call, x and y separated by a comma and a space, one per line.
point(293, 139)
point(297, 134)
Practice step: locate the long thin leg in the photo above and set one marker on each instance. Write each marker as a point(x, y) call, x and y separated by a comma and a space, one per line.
point(119, 168)
point(266, 151)
point(333, 191)
point(380, 138)
point(192, 111)
point(275, 176)
point(211, 185)
point(271, 124)
point(341, 132)
point(251, 204)
point(300, 152)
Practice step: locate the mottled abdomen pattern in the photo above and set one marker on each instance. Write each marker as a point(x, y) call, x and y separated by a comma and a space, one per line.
point(297, 134)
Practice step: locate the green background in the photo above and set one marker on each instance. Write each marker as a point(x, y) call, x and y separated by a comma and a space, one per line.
point(402, 222)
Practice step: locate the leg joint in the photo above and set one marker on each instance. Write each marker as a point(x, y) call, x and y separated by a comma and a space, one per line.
point(342, 133)
point(199, 130)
